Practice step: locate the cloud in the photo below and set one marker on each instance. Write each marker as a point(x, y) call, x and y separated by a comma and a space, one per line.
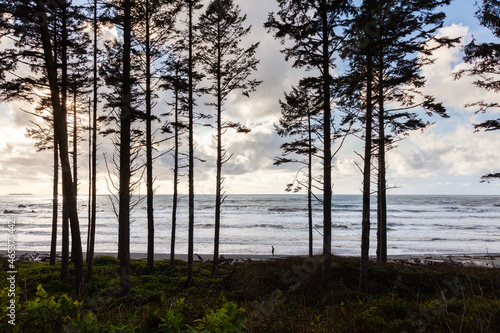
point(430, 153)
point(440, 75)
point(447, 156)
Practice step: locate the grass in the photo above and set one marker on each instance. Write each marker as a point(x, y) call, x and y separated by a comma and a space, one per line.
point(285, 295)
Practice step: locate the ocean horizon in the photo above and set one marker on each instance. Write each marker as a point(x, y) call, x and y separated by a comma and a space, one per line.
point(251, 224)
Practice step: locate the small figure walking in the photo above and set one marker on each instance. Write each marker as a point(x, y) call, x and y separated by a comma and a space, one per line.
point(272, 249)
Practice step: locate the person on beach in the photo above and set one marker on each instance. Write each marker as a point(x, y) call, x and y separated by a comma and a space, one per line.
point(272, 249)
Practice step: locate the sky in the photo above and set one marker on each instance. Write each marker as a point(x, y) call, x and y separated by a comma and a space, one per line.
point(446, 158)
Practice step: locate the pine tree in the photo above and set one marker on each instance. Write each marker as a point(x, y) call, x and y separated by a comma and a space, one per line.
point(191, 7)
point(228, 67)
point(399, 55)
point(355, 96)
point(36, 31)
point(299, 120)
point(314, 28)
point(122, 100)
point(176, 80)
point(153, 29)
point(60, 129)
point(93, 152)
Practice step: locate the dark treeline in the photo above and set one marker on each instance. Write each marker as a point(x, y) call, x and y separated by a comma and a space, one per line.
point(184, 49)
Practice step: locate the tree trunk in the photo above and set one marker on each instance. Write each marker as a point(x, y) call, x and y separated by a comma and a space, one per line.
point(60, 129)
point(365, 222)
point(149, 151)
point(218, 178)
point(75, 146)
point(65, 238)
point(382, 186)
point(327, 162)
point(64, 99)
point(55, 206)
point(176, 178)
point(90, 255)
point(309, 186)
point(89, 203)
point(191, 148)
point(125, 159)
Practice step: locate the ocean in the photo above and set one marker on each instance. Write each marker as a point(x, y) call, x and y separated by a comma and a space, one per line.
point(251, 224)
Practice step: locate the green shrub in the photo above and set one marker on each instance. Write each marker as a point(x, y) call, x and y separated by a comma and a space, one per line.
point(46, 313)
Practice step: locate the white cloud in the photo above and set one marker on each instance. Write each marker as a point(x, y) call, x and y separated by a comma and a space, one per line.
point(440, 75)
point(459, 153)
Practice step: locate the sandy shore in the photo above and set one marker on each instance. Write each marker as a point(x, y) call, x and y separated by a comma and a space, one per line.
point(479, 259)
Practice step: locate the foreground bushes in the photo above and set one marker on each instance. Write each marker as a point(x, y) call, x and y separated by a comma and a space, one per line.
point(274, 296)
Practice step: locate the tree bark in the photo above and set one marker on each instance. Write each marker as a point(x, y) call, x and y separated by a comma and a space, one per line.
point(218, 180)
point(149, 150)
point(309, 185)
point(55, 206)
point(60, 129)
point(176, 178)
point(65, 238)
point(64, 99)
point(90, 254)
point(327, 157)
point(191, 147)
point(125, 159)
point(89, 203)
point(382, 186)
point(365, 222)
point(75, 146)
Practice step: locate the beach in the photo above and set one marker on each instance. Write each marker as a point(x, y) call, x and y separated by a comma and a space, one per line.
point(491, 260)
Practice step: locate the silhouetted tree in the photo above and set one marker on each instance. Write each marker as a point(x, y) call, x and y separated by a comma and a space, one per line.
point(93, 153)
point(298, 121)
point(36, 44)
point(355, 94)
point(403, 44)
point(60, 129)
point(192, 5)
point(176, 80)
point(314, 27)
point(228, 66)
point(122, 100)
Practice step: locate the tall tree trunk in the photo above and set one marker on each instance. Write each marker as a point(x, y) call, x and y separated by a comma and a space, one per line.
point(382, 186)
point(365, 220)
point(61, 133)
point(125, 159)
point(75, 146)
point(64, 100)
point(309, 186)
point(191, 148)
point(55, 205)
point(149, 151)
point(65, 238)
point(176, 178)
point(90, 256)
point(218, 178)
point(89, 203)
point(327, 162)
point(64, 221)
